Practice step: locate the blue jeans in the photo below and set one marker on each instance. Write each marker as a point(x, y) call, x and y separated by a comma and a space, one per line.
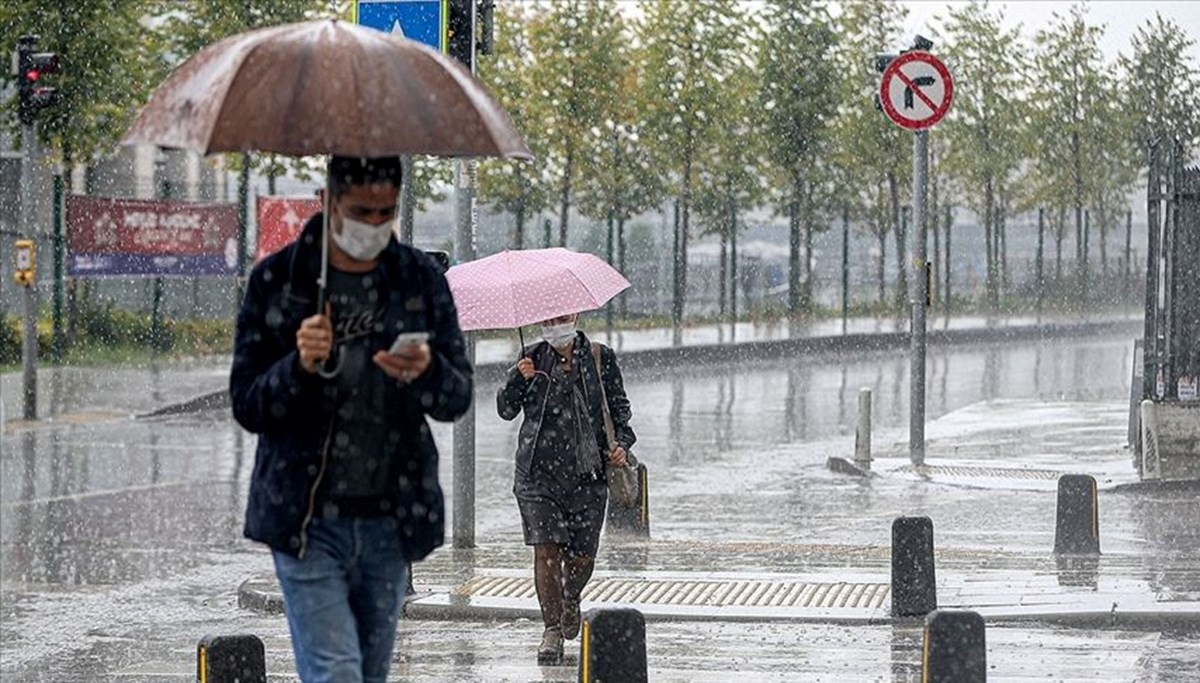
point(344, 598)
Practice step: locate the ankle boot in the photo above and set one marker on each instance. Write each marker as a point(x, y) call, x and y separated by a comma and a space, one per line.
point(551, 649)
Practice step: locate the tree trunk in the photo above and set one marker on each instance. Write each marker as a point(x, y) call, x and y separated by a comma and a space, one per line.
point(949, 270)
point(733, 273)
point(881, 265)
point(624, 303)
point(723, 272)
point(901, 271)
point(989, 238)
point(685, 213)
point(518, 236)
point(566, 196)
point(1040, 261)
point(1059, 230)
point(806, 292)
point(1002, 243)
point(794, 250)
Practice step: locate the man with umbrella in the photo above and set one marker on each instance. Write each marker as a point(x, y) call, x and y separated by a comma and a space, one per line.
point(345, 487)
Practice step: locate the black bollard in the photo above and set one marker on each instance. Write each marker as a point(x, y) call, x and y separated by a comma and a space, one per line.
point(231, 659)
point(955, 650)
point(632, 520)
point(1077, 525)
point(914, 586)
point(612, 647)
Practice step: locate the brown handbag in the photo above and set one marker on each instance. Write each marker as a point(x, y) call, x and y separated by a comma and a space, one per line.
point(622, 479)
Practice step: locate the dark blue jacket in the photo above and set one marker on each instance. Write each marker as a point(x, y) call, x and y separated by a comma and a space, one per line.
point(293, 411)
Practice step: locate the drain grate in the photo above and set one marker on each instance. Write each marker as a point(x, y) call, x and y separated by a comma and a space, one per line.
point(981, 472)
point(696, 592)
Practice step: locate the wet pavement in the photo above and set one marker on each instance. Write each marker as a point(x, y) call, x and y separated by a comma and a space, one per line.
point(121, 540)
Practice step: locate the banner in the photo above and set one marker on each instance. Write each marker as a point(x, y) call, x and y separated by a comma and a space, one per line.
point(119, 237)
point(280, 220)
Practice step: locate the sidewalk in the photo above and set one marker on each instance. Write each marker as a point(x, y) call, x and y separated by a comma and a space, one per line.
point(992, 556)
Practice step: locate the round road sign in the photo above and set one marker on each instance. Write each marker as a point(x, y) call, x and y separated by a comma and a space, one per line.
point(916, 90)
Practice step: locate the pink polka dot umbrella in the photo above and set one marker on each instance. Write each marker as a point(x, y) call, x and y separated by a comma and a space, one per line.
point(512, 289)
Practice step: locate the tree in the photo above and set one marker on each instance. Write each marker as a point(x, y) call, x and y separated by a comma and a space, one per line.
point(798, 96)
point(519, 188)
point(576, 46)
point(685, 57)
point(1162, 86)
point(730, 180)
point(109, 60)
point(1071, 88)
point(874, 156)
point(984, 127)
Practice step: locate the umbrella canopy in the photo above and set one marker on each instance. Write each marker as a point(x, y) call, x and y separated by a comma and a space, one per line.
point(325, 87)
point(516, 288)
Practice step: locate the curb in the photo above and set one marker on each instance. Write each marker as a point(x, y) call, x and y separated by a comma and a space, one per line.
point(702, 354)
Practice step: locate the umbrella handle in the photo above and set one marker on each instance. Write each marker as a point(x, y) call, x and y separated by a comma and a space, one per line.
point(521, 336)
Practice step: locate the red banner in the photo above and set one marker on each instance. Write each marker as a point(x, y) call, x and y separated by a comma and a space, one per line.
point(280, 220)
point(150, 237)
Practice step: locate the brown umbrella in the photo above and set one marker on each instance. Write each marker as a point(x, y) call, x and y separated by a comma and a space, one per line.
point(325, 87)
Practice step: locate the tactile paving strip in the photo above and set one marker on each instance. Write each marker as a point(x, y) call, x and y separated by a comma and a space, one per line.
point(697, 593)
point(981, 472)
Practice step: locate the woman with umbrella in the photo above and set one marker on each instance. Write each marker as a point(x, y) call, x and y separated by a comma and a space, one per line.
point(562, 385)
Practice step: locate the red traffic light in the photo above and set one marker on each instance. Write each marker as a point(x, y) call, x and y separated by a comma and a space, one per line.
point(33, 75)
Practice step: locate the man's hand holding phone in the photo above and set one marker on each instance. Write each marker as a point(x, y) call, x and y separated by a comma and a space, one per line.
point(408, 358)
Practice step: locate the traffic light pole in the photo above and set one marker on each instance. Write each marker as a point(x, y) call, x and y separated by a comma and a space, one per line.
point(919, 288)
point(28, 223)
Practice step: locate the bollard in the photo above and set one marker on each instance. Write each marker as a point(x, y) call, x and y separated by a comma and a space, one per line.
point(612, 647)
point(914, 585)
point(1077, 524)
point(955, 650)
point(1151, 463)
point(862, 435)
point(634, 520)
point(231, 659)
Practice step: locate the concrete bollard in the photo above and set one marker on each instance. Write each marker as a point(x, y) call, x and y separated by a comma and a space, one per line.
point(612, 647)
point(231, 659)
point(955, 649)
point(1077, 523)
point(862, 435)
point(634, 520)
point(914, 584)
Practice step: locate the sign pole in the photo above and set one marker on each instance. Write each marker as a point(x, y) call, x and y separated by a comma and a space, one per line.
point(919, 284)
point(29, 218)
point(463, 531)
point(916, 92)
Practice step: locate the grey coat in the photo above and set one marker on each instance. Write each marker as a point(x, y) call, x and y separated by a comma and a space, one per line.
point(530, 396)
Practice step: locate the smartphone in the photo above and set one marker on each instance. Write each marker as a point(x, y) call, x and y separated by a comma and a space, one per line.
point(406, 339)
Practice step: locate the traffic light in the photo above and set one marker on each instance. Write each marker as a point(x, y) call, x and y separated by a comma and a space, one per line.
point(32, 66)
point(461, 26)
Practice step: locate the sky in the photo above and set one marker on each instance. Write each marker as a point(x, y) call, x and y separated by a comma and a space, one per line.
point(1121, 18)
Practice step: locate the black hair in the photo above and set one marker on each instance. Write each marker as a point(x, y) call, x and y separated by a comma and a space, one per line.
point(345, 172)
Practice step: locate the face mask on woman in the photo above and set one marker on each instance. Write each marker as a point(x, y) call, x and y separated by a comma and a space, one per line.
point(559, 335)
point(362, 241)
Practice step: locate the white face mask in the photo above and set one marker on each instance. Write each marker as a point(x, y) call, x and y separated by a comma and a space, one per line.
point(362, 241)
point(559, 335)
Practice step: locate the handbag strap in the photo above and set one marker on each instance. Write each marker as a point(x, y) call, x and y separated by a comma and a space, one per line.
point(608, 423)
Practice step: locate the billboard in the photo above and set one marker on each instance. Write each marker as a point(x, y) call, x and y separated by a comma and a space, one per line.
point(161, 238)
